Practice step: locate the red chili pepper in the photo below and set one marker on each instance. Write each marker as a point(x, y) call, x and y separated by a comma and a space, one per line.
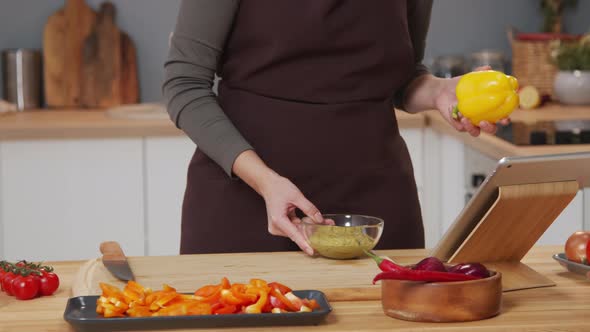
point(385, 264)
point(423, 275)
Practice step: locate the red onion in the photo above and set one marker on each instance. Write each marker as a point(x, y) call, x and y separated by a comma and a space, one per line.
point(471, 269)
point(430, 264)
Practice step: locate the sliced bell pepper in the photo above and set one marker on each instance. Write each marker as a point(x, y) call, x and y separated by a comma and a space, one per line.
point(312, 304)
point(240, 291)
point(282, 288)
point(139, 311)
point(257, 307)
point(212, 293)
point(109, 291)
point(288, 305)
point(223, 309)
point(197, 308)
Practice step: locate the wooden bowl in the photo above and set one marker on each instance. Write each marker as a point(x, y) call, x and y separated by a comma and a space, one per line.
point(457, 301)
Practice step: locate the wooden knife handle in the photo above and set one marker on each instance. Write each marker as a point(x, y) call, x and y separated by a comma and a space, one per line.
point(111, 251)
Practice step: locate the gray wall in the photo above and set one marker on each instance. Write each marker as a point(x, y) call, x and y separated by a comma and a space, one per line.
point(457, 27)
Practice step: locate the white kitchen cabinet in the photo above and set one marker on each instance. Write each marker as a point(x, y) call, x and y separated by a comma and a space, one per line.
point(431, 202)
point(452, 179)
point(166, 165)
point(61, 198)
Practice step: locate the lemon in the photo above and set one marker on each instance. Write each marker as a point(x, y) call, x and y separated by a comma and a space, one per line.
point(529, 97)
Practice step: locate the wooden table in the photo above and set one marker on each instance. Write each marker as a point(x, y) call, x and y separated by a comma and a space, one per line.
point(565, 307)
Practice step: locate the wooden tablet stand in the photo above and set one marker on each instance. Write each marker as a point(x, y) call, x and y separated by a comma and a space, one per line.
point(510, 228)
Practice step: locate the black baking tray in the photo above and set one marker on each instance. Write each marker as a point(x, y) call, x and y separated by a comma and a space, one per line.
point(81, 314)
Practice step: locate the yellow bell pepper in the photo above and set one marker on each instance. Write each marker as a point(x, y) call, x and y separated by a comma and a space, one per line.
point(486, 96)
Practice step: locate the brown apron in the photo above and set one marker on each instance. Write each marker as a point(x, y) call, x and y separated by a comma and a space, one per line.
point(309, 84)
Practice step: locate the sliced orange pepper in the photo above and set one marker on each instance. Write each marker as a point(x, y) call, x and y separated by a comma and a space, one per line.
point(111, 291)
point(227, 297)
point(178, 309)
point(197, 308)
point(168, 288)
point(207, 290)
point(212, 293)
point(257, 307)
point(258, 283)
point(139, 311)
point(163, 300)
point(111, 311)
point(223, 309)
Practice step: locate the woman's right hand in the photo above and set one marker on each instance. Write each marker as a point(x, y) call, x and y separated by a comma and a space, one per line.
point(281, 197)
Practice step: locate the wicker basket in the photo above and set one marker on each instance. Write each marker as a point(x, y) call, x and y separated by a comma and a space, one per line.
point(531, 58)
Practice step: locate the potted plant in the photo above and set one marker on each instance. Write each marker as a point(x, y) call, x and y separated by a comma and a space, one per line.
point(572, 82)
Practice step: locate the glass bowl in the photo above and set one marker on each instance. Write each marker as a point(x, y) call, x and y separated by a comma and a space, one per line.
point(348, 238)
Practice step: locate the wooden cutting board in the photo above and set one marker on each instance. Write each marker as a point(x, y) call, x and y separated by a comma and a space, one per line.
point(64, 34)
point(340, 280)
point(104, 70)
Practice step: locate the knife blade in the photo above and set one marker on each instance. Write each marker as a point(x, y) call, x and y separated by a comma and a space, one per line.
point(115, 261)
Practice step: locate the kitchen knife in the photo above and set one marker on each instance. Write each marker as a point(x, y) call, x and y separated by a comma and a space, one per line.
point(115, 261)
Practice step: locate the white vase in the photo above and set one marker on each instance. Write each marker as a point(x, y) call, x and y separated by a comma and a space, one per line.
point(572, 87)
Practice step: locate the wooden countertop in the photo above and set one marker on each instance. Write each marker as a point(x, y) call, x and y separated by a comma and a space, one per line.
point(45, 124)
point(34, 125)
point(79, 124)
point(564, 307)
point(497, 148)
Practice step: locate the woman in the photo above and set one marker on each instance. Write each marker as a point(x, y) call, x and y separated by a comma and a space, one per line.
point(303, 119)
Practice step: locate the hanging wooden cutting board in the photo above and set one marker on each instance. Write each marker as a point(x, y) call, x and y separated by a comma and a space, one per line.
point(63, 37)
point(106, 70)
point(129, 78)
point(102, 62)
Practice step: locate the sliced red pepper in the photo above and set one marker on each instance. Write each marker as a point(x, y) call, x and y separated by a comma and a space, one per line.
point(282, 288)
point(212, 293)
point(423, 275)
point(285, 301)
point(312, 304)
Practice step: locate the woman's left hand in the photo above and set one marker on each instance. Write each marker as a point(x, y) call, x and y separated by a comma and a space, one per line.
point(446, 100)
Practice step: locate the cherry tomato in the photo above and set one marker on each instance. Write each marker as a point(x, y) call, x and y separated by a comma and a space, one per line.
point(588, 255)
point(25, 287)
point(7, 282)
point(576, 247)
point(49, 283)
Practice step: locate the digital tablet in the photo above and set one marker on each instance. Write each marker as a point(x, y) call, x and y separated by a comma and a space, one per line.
point(512, 171)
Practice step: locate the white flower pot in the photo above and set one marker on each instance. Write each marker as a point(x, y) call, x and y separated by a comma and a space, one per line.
point(572, 87)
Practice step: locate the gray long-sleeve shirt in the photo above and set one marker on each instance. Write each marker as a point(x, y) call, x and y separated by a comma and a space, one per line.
point(196, 46)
